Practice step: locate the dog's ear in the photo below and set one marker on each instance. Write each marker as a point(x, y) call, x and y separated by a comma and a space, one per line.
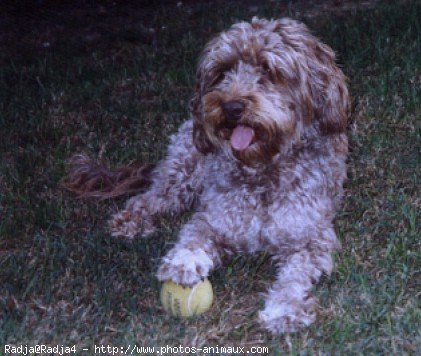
point(200, 139)
point(322, 83)
point(329, 90)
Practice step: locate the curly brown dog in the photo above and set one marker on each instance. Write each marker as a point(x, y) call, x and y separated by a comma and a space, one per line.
point(261, 161)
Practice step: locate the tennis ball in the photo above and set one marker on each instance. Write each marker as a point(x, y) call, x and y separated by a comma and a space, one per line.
point(184, 301)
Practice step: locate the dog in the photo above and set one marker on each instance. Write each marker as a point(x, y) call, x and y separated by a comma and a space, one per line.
point(261, 162)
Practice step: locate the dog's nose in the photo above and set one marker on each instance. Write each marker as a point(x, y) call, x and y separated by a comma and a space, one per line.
point(233, 110)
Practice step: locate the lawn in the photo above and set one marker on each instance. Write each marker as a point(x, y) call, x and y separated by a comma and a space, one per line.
point(114, 81)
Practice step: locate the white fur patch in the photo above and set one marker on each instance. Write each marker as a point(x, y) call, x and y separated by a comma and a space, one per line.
point(184, 266)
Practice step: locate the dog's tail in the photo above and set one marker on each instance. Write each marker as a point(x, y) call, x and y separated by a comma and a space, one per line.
point(89, 179)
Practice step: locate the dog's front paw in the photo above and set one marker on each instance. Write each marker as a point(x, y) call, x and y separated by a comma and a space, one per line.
point(128, 224)
point(288, 316)
point(184, 266)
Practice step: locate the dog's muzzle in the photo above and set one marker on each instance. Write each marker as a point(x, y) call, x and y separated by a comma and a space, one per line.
point(241, 136)
point(233, 110)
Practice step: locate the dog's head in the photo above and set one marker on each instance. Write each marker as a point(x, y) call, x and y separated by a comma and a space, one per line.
point(259, 84)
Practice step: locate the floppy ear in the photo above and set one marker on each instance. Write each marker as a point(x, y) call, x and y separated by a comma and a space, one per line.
point(322, 83)
point(200, 138)
point(330, 92)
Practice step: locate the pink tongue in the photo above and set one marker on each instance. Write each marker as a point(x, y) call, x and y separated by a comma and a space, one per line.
point(241, 137)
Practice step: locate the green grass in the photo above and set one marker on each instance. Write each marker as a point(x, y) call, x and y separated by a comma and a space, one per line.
point(64, 280)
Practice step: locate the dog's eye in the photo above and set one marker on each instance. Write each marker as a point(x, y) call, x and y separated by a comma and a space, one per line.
point(269, 72)
point(220, 77)
point(266, 69)
point(216, 78)
point(263, 80)
point(266, 74)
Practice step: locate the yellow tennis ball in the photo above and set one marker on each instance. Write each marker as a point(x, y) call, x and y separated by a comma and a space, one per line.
point(184, 301)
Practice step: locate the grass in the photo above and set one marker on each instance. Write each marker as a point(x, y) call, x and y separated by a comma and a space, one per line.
point(115, 84)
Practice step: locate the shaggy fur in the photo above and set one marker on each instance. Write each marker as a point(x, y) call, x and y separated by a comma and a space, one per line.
point(261, 162)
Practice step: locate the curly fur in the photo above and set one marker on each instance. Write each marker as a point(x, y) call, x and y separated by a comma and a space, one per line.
point(261, 161)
